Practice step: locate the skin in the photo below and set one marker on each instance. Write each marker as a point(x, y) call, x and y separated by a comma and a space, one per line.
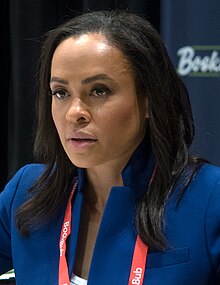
point(99, 122)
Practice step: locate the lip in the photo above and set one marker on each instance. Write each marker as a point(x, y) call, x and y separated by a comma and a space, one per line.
point(81, 140)
point(81, 136)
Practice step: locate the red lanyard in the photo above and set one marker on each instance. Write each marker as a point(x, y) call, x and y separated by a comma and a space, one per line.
point(65, 232)
point(139, 256)
point(138, 263)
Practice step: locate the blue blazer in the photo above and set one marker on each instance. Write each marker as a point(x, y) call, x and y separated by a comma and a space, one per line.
point(192, 230)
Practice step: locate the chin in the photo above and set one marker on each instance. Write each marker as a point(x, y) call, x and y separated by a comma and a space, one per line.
point(82, 163)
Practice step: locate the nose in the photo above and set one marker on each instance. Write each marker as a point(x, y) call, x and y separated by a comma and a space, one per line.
point(78, 112)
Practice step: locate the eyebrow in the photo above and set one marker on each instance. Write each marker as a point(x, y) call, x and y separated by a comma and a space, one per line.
point(59, 80)
point(101, 76)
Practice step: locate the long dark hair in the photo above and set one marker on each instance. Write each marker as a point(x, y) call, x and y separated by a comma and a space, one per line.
point(171, 124)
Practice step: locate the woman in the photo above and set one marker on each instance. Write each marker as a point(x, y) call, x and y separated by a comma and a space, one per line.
point(116, 191)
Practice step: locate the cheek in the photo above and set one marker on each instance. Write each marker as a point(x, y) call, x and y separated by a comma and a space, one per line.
point(122, 119)
point(57, 118)
point(54, 114)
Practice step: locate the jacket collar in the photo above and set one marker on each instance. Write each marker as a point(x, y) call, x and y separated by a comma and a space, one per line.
point(138, 171)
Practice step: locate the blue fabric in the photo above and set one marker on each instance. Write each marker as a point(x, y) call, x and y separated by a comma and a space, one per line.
point(192, 230)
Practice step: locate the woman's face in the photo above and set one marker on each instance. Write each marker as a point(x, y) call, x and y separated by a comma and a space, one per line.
point(94, 102)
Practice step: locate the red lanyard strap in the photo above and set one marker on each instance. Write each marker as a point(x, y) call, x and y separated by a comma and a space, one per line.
point(138, 263)
point(65, 232)
point(139, 256)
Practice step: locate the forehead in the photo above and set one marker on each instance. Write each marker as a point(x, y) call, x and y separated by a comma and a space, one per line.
point(89, 50)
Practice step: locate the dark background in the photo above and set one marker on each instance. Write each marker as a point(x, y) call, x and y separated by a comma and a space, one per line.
point(22, 25)
point(195, 24)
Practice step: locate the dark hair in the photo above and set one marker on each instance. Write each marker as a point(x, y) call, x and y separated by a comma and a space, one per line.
point(171, 124)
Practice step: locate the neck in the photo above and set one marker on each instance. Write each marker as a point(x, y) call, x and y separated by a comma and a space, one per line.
point(99, 181)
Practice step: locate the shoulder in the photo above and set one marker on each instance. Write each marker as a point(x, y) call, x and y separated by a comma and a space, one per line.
point(205, 187)
point(25, 176)
point(208, 169)
point(204, 184)
point(20, 183)
point(28, 173)
point(208, 177)
point(14, 194)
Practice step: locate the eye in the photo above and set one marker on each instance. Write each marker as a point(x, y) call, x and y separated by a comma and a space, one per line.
point(100, 91)
point(60, 93)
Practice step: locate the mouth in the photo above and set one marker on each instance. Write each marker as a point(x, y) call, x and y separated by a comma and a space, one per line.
point(81, 143)
point(80, 140)
point(83, 140)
